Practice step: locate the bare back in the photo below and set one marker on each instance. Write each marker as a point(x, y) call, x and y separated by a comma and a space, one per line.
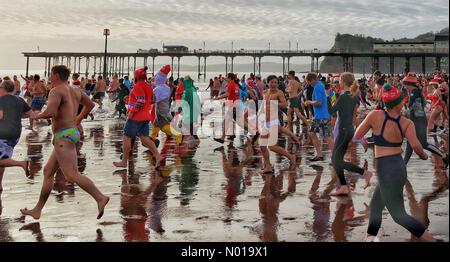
point(101, 86)
point(391, 132)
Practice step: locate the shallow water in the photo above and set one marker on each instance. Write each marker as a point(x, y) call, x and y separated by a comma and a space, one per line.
point(206, 195)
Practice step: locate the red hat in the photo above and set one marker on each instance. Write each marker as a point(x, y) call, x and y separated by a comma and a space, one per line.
point(391, 96)
point(434, 81)
point(76, 83)
point(165, 70)
point(141, 73)
point(411, 79)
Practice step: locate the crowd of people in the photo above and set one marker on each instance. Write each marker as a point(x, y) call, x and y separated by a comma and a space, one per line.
point(337, 109)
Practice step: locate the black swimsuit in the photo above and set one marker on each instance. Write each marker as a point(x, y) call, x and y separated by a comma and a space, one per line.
point(380, 140)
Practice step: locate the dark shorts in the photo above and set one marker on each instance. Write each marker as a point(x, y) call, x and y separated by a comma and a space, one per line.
point(7, 148)
point(321, 126)
point(136, 128)
point(294, 102)
point(37, 103)
point(99, 95)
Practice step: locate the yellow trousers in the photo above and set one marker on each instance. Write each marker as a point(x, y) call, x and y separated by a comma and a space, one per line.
point(169, 131)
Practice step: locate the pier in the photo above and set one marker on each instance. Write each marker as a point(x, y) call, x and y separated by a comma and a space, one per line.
point(122, 63)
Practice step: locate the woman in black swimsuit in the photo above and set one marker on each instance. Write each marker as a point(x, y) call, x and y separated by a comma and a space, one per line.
point(389, 129)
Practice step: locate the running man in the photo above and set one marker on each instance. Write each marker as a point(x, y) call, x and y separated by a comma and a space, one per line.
point(269, 125)
point(12, 109)
point(294, 100)
point(100, 91)
point(321, 122)
point(38, 92)
point(62, 107)
point(138, 122)
point(16, 86)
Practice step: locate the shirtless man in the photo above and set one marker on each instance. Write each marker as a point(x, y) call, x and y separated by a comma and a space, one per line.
point(38, 91)
point(100, 91)
point(269, 125)
point(294, 100)
point(16, 85)
point(62, 108)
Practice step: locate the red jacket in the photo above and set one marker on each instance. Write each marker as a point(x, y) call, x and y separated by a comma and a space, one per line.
point(140, 101)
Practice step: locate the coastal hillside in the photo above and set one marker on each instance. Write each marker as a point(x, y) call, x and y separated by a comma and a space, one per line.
point(361, 43)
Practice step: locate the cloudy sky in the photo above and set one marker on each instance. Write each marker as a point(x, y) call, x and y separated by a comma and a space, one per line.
point(77, 25)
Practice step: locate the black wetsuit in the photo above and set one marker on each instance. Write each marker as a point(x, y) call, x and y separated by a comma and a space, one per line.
point(417, 114)
point(345, 106)
point(391, 171)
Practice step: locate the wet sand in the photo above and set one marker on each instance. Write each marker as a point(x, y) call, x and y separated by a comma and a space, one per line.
point(207, 195)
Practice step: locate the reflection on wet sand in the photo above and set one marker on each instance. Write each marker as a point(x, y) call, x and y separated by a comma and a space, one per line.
point(207, 193)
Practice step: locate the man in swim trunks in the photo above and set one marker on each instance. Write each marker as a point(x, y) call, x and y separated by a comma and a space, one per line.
point(294, 100)
point(38, 91)
point(100, 91)
point(12, 108)
point(16, 86)
point(62, 108)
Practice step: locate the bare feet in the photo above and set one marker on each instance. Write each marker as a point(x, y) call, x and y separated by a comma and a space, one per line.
point(33, 213)
point(342, 191)
point(101, 207)
point(367, 177)
point(120, 164)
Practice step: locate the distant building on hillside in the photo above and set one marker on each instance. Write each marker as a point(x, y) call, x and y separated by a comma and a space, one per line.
point(406, 47)
point(175, 48)
point(441, 43)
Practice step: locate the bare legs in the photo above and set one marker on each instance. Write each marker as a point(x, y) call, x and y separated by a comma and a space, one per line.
point(64, 156)
point(146, 142)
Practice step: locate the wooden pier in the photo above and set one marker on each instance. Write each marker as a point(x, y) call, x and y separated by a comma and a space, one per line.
point(122, 63)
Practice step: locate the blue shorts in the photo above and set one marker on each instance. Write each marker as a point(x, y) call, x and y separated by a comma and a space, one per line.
point(321, 126)
point(37, 103)
point(7, 148)
point(136, 128)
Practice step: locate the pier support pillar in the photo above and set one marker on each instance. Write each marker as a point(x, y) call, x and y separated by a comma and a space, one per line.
point(178, 67)
point(45, 67)
point(28, 66)
point(199, 73)
point(204, 68)
point(254, 65)
point(232, 64)
point(171, 71)
point(407, 64)
point(312, 63)
point(48, 67)
point(288, 64)
point(284, 66)
point(153, 65)
point(438, 63)
point(317, 65)
point(392, 65)
point(424, 65)
point(259, 66)
point(134, 68)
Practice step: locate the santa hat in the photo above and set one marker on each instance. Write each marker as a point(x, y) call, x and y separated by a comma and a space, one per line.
point(434, 81)
point(141, 73)
point(411, 79)
point(76, 83)
point(165, 70)
point(336, 78)
point(391, 96)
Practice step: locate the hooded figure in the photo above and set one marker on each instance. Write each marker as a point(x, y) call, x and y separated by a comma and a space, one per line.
point(163, 117)
point(191, 105)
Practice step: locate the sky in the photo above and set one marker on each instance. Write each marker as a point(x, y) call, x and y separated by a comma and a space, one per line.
point(77, 25)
